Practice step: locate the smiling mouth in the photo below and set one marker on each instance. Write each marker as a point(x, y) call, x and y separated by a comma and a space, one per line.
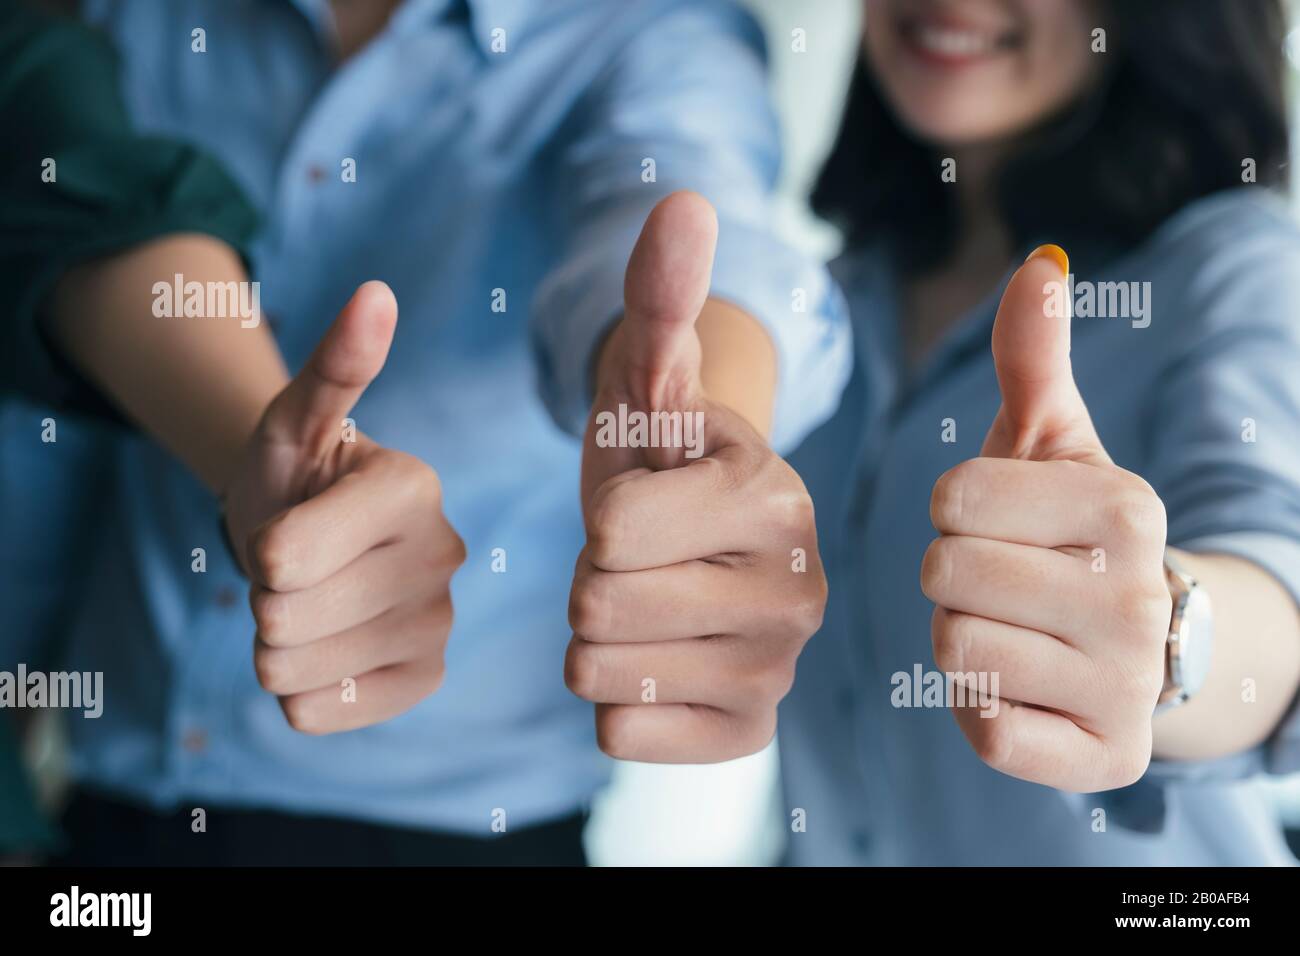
point(952, 43)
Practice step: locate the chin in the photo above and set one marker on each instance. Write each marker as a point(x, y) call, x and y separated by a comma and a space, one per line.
point(953, 127)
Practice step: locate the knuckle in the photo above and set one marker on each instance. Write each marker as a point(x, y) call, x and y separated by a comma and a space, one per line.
point(789, 509)
point(439, 617)
point(606, 528)
point(456, 552)
point(304, 715)
point(589, 607)
point(753, 735)
point(947, 498)
point(443, 551)
point(417, 477)
point(1132, 761)
point(1145, 613)
point(952, 636)
point(275, 553)
point(274, 669)
point(774, 681)
point(936, 568)
point(802, 617)
point(616, 733)
point(582, 669)
point(1135, 511)
point(822, 593)
point(271, 615)
point(429, 482)
point(430, 671)
point(726, 479)
point(995, 744)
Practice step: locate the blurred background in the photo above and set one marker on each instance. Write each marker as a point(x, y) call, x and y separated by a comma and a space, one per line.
point(731, 814)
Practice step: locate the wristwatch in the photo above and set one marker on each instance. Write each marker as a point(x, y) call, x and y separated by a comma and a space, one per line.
point(1190, 643)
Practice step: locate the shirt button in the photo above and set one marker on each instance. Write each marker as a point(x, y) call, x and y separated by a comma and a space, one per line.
point(315, 174)
point(195, 741)
point(225, 597)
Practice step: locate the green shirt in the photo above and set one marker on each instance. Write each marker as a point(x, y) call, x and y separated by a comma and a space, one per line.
point(76, 183)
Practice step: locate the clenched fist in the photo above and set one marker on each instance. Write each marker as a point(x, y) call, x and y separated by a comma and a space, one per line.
point(345, 543)
point(700, 580)
point(1049, 570)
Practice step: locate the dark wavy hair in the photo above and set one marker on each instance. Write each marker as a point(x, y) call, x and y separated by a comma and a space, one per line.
point(1191, 90)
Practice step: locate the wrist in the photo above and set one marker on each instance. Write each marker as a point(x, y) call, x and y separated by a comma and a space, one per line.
point(739, 369)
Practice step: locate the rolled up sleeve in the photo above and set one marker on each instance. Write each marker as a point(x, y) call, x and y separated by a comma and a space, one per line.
point(1226, 451)
point(80, 184)
point(684, 106)
point(1224, 456)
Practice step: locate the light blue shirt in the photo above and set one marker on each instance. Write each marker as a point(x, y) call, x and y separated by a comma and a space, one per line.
point(500, 150)
point(1204, 402)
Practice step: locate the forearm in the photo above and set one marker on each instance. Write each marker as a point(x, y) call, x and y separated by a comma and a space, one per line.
point(1256, 639)
point(739, 362)
point(197, 385)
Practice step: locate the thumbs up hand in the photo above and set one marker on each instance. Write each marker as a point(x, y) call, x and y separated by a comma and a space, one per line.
point(700, 580)
point(1049, 569)
point(345, 543)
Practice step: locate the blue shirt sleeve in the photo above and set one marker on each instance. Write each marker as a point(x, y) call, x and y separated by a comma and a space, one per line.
point(1225, 449)
point(684, 106)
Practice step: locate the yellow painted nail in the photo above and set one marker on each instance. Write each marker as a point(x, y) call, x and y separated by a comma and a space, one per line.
point(1055, 253)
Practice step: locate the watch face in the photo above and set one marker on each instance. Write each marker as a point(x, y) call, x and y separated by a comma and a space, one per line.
point(1195, 642)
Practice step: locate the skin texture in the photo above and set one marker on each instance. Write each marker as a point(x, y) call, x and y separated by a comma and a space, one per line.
point(345, 545)
point(200, 387)
point(686, 578)
point(1079, 654)
point(1011, 571)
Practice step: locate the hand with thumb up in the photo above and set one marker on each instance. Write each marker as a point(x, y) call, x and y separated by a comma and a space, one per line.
point(700, 580)
point(1049, 568)
point(345, 543)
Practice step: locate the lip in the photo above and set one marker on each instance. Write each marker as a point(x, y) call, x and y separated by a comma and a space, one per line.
point(953, 42)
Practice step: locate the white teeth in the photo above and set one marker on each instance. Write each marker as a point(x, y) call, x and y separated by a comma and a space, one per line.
point(948, 42)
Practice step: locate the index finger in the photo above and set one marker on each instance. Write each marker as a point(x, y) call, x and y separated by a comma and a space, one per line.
point(366, 508)
point(726, 503)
